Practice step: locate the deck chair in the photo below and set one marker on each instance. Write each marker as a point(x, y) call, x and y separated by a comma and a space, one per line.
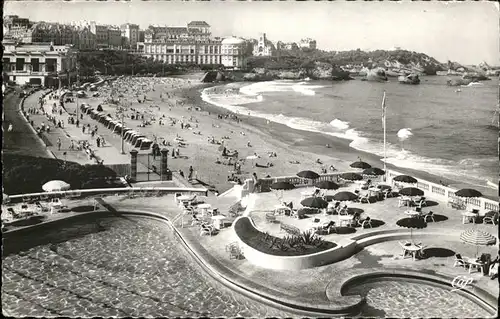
point(206, 229)
point(491, 217)
point(366, 222)
point(493, 269)
point(366, 198)
point(429, 215)
point(459, 261)
point(42, 207)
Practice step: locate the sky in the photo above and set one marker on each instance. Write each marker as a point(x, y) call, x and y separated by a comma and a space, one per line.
point(467, 32)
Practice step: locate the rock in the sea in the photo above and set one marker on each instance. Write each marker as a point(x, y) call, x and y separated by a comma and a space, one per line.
point(213, 76)
point(409, 79)
point(376, 75)
point(458, 82)
point(475, 76)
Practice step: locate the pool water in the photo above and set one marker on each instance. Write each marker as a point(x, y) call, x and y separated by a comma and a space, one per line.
point(403, 298)
point(115, 266)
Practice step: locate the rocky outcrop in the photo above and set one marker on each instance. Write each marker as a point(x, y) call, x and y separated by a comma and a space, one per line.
point(458, 82)
point(475, 76)
point(376, 75)
point(213, 76)
point(320, 71)
point(409, 79)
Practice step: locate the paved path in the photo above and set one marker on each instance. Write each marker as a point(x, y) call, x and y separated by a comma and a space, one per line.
point(22, 140)
point(109, 154)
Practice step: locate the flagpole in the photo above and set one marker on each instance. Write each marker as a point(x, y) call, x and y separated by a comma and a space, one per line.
point(384, 125)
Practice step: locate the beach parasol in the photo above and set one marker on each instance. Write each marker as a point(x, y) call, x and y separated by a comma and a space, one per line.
point(477, 238)
point(405, 179)
point(411, 223)
point(468, 193)
point(345, 196)
point(55, 185)
point(327, 185)
point(351, 176)
point(314, 202)
point(281, 186)
point(308, 174)
point(383, 186)
point(360, 164)
point(411, 191)
point(373, 171)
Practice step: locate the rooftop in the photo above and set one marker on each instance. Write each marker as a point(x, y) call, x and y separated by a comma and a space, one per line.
point(198, 24)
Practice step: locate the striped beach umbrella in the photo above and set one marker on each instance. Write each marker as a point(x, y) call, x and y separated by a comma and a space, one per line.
point(477, 238)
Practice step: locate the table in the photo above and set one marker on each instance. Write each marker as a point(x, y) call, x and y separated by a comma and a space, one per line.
point(472, 262)
point(345, 219)
point(404, 201)
point(204, 208)
point(218, 221)
point(412, 213)
point(412, 249)
point(281, 209)
point(374, 191)
point(468, 216)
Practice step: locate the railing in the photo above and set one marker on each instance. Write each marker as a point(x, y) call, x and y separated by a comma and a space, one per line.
point(446, 193)
point(145, 191)
point(297, 181)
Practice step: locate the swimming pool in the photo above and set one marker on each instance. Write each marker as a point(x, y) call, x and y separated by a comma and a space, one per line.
point(114, 266)
point(405, 297)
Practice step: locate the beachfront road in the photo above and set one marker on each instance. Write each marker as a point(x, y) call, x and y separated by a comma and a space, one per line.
point(22, 140)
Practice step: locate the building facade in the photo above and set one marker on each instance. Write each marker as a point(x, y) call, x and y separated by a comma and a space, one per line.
point(15, 27)
point(114, 38)
point(183, 51)
point(233, 53)
point(130, 35)
point(264, 47)
point(286, 46)
point(38, 63)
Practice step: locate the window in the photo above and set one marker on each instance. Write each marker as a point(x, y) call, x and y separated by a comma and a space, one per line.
point(19, 64)
point(35, 65)
point(50, 65)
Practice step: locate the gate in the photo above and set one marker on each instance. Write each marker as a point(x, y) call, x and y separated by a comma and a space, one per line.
point(148, 167)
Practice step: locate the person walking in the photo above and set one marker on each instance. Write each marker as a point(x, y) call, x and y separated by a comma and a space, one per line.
point(10, 128)
point(59, 143)
point(190, 176)
point(256, 183)
point(98, 141)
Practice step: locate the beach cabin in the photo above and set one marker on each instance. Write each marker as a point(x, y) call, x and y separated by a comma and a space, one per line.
point(129, 134)
point(112, 124)
point(135, 138)
point(145, 144)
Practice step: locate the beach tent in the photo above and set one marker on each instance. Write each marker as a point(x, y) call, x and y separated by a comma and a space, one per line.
point(129, 134)
point(135, 138)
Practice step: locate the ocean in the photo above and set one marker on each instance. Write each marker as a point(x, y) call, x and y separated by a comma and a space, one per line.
point(446, 131)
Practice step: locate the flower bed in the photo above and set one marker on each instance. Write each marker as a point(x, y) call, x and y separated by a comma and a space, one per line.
point(304, 243)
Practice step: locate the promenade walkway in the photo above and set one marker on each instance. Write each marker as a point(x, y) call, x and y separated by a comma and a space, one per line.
point(109, 153)
point(22, 140)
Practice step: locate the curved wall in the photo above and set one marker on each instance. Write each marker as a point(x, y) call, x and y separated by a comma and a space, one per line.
point(345, 248)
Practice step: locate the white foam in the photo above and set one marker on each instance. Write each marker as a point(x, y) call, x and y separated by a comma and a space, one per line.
point(404, 133)
point(339, 124)
point(466, 169)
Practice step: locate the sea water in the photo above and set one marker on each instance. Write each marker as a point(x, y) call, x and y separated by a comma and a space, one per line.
point(447, 131)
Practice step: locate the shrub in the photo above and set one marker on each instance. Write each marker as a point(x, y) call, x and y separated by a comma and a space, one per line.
point(27, 174)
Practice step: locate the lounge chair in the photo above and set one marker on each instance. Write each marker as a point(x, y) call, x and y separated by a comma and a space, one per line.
point(366, 198)
point(365, 222)
point(459, 261)
point(206, 229)
point(491, 217)
point(429, 215)
point(328, 228)
point(42, 207)
point(405, 251)
point(493, 269)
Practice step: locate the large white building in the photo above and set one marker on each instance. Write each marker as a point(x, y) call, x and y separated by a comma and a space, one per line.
point(233, 53)
point(38, 63)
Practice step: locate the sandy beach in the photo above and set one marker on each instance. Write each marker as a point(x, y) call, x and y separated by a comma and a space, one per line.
point(168, 105)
